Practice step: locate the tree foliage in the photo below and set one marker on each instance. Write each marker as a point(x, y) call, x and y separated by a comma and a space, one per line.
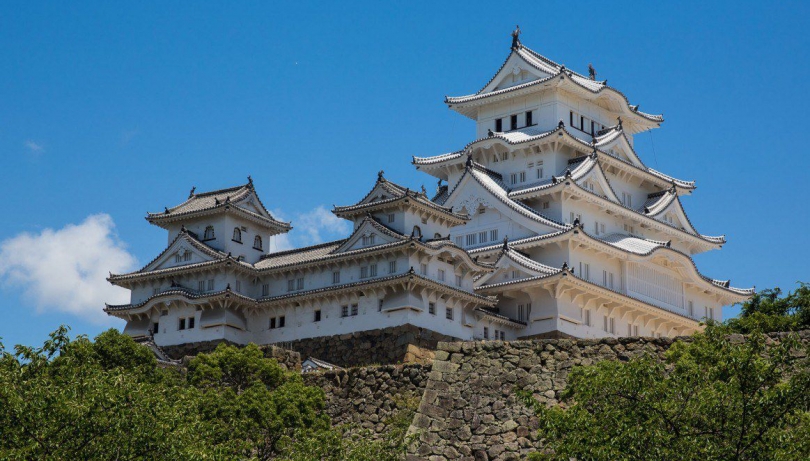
point(768, 310)
point(718, 397)
point(109, 399)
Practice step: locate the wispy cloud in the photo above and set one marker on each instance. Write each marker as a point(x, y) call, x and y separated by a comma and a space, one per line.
point(310, 228)
point(34, 147)
point(65, 269)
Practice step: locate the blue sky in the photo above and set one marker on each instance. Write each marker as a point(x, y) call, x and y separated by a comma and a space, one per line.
point(107, 112)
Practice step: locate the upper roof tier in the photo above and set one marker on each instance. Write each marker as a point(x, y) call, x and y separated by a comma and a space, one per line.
point(525, 71)
point(386, 194)
point(241, 200)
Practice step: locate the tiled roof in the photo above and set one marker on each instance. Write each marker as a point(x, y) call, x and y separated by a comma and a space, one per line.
point(299, 255)
point(554, 70)
point(498, 316)
point(218, 199)
point(493, 183)
point(397, 194)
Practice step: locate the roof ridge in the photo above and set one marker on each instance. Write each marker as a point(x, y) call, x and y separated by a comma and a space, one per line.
point(301, 249)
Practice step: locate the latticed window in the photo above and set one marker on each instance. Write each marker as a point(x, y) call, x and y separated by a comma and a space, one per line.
point(209, 233)
point(257, 242)
point(237, 234)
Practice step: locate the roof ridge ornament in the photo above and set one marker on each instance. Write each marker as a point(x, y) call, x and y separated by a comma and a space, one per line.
point(380, 175)
point(516, 38)
point(469, 163)
point(506, 243)
point(250, 182)
point(191, 193)
point(591, 72)
point(424, 191)
point(166, 210)
point(560, 124)
point(619, 123)
point(490, 133)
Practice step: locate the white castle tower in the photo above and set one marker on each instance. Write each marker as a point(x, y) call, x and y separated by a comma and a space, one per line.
point(547, 225)
point(587, 240)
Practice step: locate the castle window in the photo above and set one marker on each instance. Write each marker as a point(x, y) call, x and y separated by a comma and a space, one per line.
point(177, 258)
point(498, 124)
point(441, 275)
point(458, 280)
point(432, 308)
point(539, 170)
point(529, 118)
point(691, 309)
point(209, 233)
point(391, 217)
point(281, 322)
point(364, 272)
point(392, 267)
point(237, 235)
point(635, 330)
point(513, 122)
point(417, 232)
point(181, 324)
point(587, 318)
point(190, 323)
point(265, 289)
point(503, 335)
point(493, 235)
point(211, 285)
point(272, 323)
point(460, 240)
point(482, 236)
point(299, 283)
point(471, 239)
point(201, 285)
point(187, 256)
point(448, 313)
point(317, 316)
point(238, 286)
point(354, 310)
point(379, 305)
point(372, 270)
point(423, 269)
point(335, 277)
point(155, 328)
point(290, 285)
point(155, 291)
point(486, 333)
point(344, 311)
point(257, 242)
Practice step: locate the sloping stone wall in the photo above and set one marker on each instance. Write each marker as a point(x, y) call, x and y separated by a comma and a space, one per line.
point(470, 410)
point(403, 344)
point(370, 397)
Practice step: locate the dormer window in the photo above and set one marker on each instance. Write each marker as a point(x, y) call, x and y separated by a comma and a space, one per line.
point(209, 233)
point(237, 235)
point(257, 242)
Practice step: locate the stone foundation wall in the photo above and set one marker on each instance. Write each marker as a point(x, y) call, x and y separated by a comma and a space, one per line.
point(403, 344)
point(470, 410)
point(370, 397)
point(289, 360)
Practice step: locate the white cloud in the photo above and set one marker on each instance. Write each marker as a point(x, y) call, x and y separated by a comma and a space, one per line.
point(315, 226)
point(66, 269)
point(34, 147)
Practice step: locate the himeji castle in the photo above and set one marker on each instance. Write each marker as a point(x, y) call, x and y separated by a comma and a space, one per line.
point(547, 225)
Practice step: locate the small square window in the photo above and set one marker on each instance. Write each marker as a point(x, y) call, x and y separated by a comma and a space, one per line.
point(441, 275)
point(448, 313)
point(299, 284)
point(354, 309)
point(335, 277)
point(392, 267)
point(432, 308)
point(344, 311)
point(391, 217)
point(190, 323)
point(266, 289)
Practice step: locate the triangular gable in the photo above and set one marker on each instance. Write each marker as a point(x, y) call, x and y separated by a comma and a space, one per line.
point(476, 188)
point(594, 180)
point(181, 245)
point(382, 191)
point(368, 228)
point(677, 213)
point(251, 202)
point(512, 265)
point(518, 68)
point(620, 147)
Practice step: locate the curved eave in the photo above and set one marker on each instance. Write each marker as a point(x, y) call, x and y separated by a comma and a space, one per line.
point(467, 105)
point(127, 280)
point(501, 319)
point(351, 211)
point(162, 219)
point(717, 241)
point(457, 158)
point(522, 209)
point(178, 293)
point(408, 277)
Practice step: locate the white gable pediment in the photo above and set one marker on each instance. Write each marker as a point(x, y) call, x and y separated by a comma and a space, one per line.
point(368, 235)
point(622, 149)
point(516, 71)
point(596, 182)
point(180, 253)
point(251, 203)
point(376, 194)
point(675, 216)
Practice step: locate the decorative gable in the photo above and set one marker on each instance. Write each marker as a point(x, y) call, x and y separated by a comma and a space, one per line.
point(182, 251)
point(369, 234)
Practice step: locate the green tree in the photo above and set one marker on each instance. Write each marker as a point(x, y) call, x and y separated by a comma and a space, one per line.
point(717, 397)
point(768, 310)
